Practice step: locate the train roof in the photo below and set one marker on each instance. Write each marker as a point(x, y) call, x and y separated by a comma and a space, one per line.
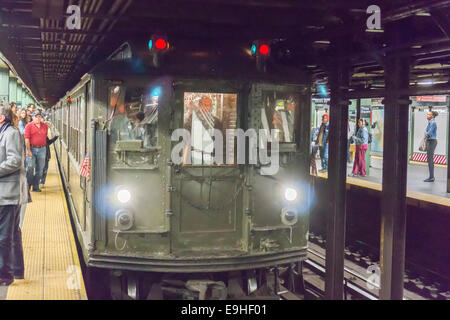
point(200, 59)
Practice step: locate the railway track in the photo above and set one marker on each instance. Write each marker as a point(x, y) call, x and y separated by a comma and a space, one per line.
point(361, 274)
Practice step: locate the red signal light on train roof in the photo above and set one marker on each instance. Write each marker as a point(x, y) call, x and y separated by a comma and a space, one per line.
point(264, 49)
point(260, 48)
point(160, 44)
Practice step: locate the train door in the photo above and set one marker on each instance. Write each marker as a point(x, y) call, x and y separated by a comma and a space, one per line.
point(85, 100)
point(207, 198)
point(66, 135)
point(138, 130)
point(81, 155)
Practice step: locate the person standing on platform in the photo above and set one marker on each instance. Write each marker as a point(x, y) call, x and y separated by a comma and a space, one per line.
point(47, 159)
point(430, 135)
point(314, 133)
point(350, 134)
point(25, 197)
point(23, 120)
point(31, 108)
point(15, 118)
point(322, 143)
point(36, 142)
point(11, 152)
point(362, 144)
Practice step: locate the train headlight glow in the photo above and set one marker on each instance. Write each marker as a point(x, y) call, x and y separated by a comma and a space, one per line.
point(290, 194)
point(123, 195)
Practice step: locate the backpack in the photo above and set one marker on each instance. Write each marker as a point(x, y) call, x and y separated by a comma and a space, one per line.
point(370, 138)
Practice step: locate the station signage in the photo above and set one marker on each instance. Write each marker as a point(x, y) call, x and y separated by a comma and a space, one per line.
point(377, 102)
point(431, 98)
point(321, 102)
point(365, 111)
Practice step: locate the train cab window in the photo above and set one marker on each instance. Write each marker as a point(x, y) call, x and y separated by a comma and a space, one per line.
point(278, 113)
point(205, 111)
point(133, 116)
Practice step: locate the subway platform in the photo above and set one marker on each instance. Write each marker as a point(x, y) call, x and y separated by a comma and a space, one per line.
point(432, 192)
point(52, 267)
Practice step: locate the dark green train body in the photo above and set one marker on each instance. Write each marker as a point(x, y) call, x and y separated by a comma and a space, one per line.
point(141, 211)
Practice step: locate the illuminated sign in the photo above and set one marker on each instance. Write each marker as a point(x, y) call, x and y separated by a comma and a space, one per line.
point(431, 98)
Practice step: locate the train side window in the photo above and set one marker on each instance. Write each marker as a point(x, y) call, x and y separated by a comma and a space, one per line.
point(117, 117)
point(205, 111)
point(278, 114)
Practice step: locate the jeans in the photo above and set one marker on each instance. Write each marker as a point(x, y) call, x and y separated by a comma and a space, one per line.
point(7, 218)
point(323, 150)
point(431, 146)
point(17, 248)
point(35, 166)
point(44, 172)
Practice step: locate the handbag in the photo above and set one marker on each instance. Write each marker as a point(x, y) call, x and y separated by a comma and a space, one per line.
point(423, 145)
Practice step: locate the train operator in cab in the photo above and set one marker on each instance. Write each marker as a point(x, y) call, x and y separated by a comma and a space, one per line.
point(203, 112)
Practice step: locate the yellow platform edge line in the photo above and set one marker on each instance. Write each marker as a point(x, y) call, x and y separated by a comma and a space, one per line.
point(73, 245)
point(414, 195)
point(415, 162)
point(426, 164)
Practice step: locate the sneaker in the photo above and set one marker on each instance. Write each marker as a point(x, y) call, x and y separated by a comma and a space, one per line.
point(429, 180)
point(352, 175)
point(19, 276)
point(37, 190)
point(6, 282)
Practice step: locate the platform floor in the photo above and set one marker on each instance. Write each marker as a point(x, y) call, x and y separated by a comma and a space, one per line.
point(52, 268)
point(427, 191)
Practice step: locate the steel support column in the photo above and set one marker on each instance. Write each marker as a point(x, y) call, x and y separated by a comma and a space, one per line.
point(448, 149)
point(4, 83)
point(358, 111)
point(12, 87)
point(19, 93)
point(395, 164)
point(339, 78)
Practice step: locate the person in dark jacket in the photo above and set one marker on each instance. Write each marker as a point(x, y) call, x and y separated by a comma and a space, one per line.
point(430, 134)
point(47, 159)
point(322, 143)
point(314, 133)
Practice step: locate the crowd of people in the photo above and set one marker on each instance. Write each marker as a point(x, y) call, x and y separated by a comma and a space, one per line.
point(361, 137)
point(24, 155)
point(358, 136)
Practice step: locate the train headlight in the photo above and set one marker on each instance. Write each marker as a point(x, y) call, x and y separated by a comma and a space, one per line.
point(123, 195)
point(290, 194)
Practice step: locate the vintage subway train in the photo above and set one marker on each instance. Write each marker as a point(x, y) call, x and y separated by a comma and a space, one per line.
point(143, 216)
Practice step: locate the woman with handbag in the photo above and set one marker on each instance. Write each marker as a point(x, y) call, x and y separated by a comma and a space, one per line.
point(431, 142)
point(362, 144)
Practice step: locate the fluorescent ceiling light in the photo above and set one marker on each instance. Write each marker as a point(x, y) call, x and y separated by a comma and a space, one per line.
point(425, 83)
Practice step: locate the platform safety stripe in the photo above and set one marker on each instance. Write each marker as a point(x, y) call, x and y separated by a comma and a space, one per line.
point(422, 157)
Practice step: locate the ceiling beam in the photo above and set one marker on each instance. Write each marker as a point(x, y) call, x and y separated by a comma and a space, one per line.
point(414, 8)
point(442, 22)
